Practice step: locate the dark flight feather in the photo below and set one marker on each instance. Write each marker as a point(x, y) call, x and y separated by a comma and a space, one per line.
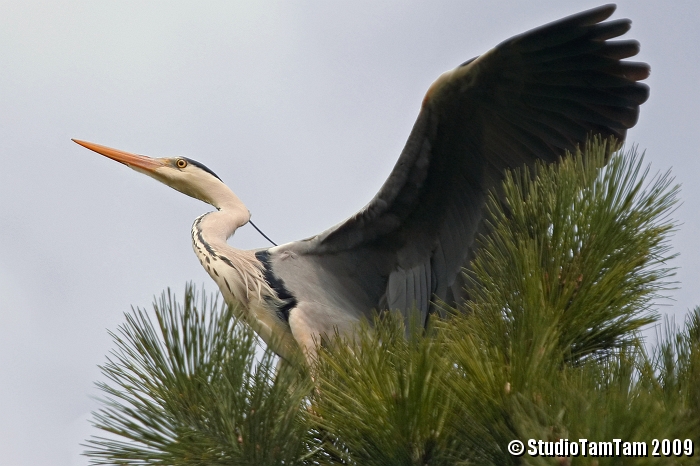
point(530, 98)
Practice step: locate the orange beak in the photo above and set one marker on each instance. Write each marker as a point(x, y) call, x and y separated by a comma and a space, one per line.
point(127, 158)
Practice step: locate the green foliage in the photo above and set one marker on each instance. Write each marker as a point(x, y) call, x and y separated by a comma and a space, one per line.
point(549, 348)
point(561, 284)
point(189, 391)
point(381, 398)
point(580, 249)
point(677, 361)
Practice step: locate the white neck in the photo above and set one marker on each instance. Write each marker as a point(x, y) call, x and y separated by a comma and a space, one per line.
point(232, 214)
point(236, 271)
point(218, 226)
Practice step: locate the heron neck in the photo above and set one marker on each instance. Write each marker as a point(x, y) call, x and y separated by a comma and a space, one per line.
point(209, 234)
point(220, 225)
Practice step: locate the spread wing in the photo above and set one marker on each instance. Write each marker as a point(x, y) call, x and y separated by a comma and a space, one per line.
point(531, 97)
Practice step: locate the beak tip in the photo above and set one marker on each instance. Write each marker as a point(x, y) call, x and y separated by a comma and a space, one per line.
point(128, 159)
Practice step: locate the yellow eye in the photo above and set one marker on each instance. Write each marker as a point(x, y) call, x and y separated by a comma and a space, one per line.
point(181, 163)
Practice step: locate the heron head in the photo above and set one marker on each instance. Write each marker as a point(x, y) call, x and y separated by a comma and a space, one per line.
point(185, 175)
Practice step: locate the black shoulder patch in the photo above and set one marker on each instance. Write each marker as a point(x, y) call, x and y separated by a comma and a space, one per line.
point(203, 167)
point(289, 302)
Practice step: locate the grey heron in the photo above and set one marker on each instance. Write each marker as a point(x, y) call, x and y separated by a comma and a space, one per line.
point(530, 98)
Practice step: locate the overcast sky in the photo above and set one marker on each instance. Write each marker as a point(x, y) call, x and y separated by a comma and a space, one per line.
point(302, 108)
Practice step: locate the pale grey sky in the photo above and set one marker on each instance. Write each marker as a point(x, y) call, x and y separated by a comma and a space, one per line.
point(302, 108)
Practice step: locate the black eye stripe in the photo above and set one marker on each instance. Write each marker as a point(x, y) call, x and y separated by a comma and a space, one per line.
point(203, 167)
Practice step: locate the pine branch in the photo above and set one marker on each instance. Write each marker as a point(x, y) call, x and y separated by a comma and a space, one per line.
point(190, 389)
point(580, 245)
point(381, 398)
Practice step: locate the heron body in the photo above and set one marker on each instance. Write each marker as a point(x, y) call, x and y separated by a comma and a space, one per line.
point(530, 98)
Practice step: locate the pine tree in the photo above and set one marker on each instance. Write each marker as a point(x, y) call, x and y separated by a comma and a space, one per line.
point(547, 347)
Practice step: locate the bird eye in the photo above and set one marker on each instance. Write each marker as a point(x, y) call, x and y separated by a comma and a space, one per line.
point(181, 163)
